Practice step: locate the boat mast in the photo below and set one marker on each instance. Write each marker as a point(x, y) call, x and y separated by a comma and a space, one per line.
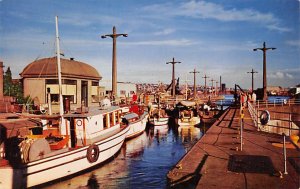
point(61, 109)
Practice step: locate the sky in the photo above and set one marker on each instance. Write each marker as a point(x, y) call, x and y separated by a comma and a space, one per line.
point(215, 37)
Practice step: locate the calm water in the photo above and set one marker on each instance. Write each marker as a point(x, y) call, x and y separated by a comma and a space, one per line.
point(143, 162)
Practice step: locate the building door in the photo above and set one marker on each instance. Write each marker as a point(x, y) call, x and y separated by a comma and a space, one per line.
point(84, 92)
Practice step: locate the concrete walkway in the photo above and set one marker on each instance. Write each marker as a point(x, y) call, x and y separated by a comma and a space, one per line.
point(216, 160)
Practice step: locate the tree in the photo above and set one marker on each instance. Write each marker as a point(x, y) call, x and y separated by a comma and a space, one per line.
point(7, 82)
point(11, 88)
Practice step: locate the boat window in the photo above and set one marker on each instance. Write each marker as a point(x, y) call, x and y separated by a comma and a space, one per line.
point(112, 119)
point(117, 117)
point(122, 92)
point(105, 125)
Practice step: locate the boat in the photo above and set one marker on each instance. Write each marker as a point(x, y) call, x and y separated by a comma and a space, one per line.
point(159, 121)
point(57, 146)
point(136, 123)
point(81, 141)
point(188, 114)
point(161, 129)
point(187, 118)
point(159, 116)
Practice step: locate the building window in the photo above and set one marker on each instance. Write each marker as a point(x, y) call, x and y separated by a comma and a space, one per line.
point(51, 81)
point(95, 99)
point(54, 98)
point(70, 97)
point(69, 90)
point(95, 83)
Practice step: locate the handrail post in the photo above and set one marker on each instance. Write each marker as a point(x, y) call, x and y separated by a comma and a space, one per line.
point(284, 154)
point(290, 123)
point(242, 124)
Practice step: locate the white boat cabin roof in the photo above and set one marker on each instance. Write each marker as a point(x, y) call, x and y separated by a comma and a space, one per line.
point(92, 111)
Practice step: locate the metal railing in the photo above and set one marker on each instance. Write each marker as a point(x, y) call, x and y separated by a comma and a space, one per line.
point(277, 102)
point(280, 121)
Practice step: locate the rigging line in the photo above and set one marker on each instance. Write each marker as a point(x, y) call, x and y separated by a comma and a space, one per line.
point(42, 70)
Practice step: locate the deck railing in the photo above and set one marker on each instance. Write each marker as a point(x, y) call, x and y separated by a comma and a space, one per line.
point(280, 121)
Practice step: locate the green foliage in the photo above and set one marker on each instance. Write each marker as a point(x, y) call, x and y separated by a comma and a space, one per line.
point(12, 89)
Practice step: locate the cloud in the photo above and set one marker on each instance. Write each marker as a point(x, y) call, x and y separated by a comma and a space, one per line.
point(280, 75)
point(295, 43)
point(165, 32)
point(173, 42)
point(204, 9)
point(208, 10)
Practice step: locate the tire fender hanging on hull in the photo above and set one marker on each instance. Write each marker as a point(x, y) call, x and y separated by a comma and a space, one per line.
point(92, 153)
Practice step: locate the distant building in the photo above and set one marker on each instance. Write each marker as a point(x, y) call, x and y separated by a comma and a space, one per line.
point(80, 82)
point(274, 90)
point(124, 89)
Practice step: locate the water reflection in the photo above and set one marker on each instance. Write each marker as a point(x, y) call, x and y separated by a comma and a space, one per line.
point(142, 162)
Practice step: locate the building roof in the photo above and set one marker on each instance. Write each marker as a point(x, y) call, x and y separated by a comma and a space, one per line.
point(47, 67)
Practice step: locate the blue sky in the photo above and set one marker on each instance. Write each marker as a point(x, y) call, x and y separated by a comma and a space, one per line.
point(215, 37)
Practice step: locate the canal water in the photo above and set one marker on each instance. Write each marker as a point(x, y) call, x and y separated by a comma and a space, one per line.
point(143, 162)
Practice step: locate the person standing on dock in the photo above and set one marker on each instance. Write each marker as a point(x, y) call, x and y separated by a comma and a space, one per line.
point(242, 100)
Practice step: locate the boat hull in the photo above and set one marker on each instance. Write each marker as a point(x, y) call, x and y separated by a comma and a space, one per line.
point(189, 122)
point(137, 127)
point(61, 165)
point(160, 121)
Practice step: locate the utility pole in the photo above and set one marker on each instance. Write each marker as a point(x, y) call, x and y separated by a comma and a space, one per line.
point(186, 87)
point(173, 75)
point(212, 83)
point(264, 49)
point(221, 84)
point(114, 36)
point(195, 88)
point(216, 91)
point(205, 90)
point(252, 72)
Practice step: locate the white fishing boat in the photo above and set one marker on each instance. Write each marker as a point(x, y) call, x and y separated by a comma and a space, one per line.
point(80, 142)
point(161, 129)
point(159, 121)
point(137, 123)
point(58, 146)
point(159, 116)
point(188, 114)
point(189, 121)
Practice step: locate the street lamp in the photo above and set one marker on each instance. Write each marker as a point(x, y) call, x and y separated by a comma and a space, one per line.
point(252, 72)
point(195, 90)
point(173, 75)
point(114, 36)
point(264, 49)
